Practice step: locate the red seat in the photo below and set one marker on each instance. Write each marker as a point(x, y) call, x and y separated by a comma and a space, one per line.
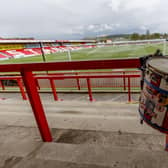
point(6, 53)
point(3, 56)
point(37, 50)
point(26, 52)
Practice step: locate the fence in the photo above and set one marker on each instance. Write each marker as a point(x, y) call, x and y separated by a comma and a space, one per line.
point(98, 84)
point(18, 79)
point(88, 78)
point(126, 81)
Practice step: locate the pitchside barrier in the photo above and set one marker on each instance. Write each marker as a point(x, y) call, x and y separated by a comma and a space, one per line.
point(108, 81)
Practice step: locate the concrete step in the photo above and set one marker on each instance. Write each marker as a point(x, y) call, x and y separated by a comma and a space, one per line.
point(78, 110)
point(28, 139)
point(86, 135)
point(73, 121)
point(9, 161)
point(21, 147)
point(40, 163)
point(112, 106)
point(73, 108)
point(67, 103)
point(100, 116)
point(121, 139)
point(100, 155)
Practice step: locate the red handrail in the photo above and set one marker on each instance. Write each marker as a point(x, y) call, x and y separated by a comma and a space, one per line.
point(74, 65)
point(84, 76)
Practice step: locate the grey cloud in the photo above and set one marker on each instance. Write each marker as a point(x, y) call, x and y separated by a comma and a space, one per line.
point(70, 19)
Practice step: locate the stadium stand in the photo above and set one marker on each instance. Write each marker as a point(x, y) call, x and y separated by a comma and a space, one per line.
point(2, 56)
point(34, 49)
point(5, 52)
point(27, 52)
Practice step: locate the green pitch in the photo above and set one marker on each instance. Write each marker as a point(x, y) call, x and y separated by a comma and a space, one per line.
point(109, 52)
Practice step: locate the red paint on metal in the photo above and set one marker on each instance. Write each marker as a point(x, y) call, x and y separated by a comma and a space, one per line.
point(34, 98)
point(124, 80)
point(10, 77)
point(89, 72)
point(37, 83)
point(52, 83)
point(84, 76)
point(89, 90)
point(74, 65)
point(78, 82)
point(21, 87)
point(129, 90)
point(2, 85)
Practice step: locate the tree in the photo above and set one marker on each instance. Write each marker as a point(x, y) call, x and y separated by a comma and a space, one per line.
point(147, 34)
point(135, 36)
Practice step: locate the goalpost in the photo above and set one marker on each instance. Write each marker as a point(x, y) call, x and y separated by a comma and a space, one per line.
point(164, 46)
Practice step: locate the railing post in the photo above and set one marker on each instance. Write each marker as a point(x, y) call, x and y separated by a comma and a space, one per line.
point(52, 83)
point(34, 98)
point(37, 83)
point(90, 90)
point(78, 82)
point(129, 90)
point(124, 81)
point(21, 89)
point(2, 85)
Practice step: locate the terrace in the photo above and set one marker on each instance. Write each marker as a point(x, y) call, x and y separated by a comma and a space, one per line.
point(81, 133)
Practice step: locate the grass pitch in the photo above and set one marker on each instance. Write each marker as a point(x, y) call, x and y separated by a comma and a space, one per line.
point(109, 52)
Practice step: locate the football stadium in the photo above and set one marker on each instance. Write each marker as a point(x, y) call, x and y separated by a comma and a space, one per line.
point(57, 50)
point(75, 103)
point(13, 51)
point(83, 84)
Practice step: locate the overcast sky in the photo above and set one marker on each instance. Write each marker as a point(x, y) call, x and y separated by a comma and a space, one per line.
point(75, 19)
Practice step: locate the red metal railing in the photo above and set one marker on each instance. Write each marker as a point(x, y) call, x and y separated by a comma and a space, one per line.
point(67, 84)
point(88, 78)
point(124, 81)
point(18, 79)
point(30, 82)
point(98, 79)
point(31, 87)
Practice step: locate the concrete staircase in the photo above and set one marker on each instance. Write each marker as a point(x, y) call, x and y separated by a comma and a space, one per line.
point(86, 135)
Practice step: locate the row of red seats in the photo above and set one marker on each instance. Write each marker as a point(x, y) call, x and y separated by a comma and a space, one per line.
point(37, 51)
point(2, 56)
